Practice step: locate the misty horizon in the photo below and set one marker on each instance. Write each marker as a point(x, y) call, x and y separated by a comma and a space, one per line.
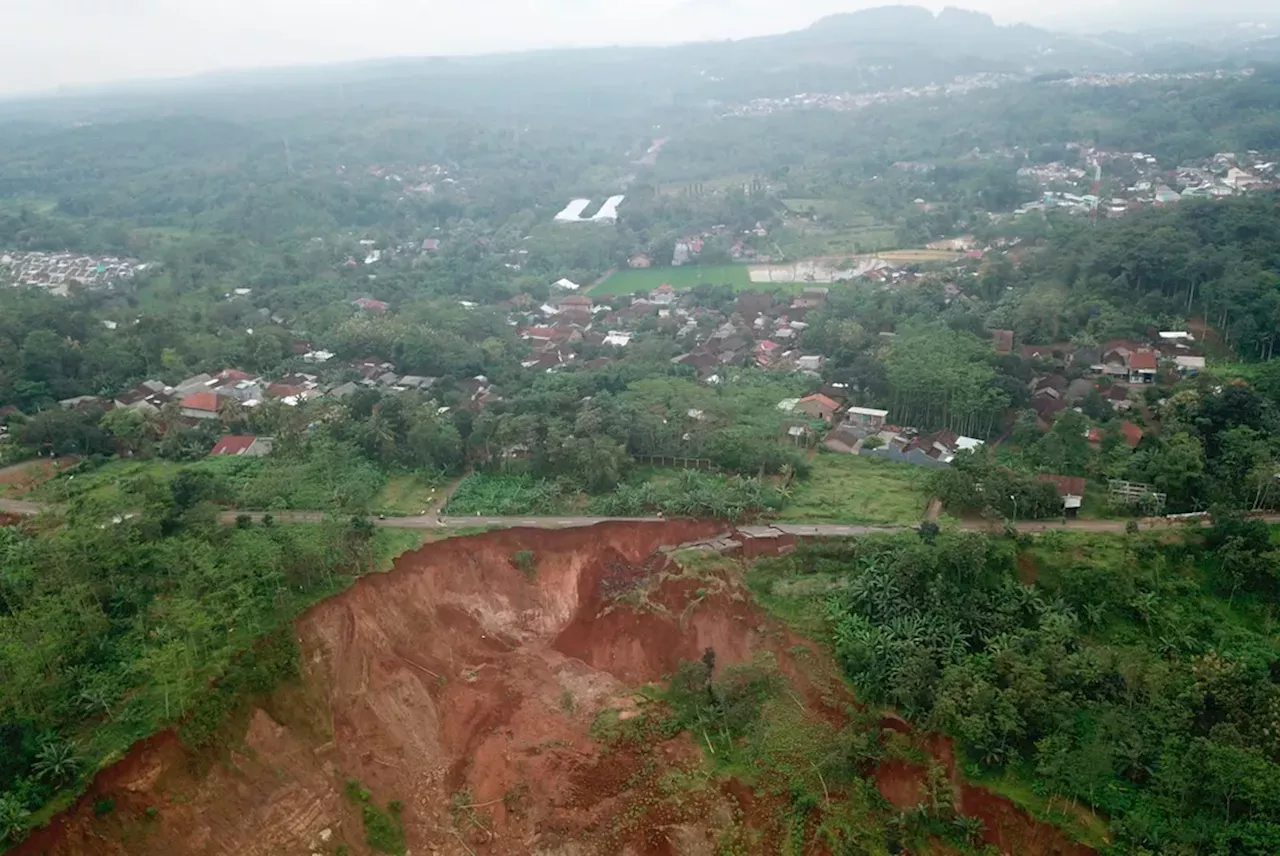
point(75, 43)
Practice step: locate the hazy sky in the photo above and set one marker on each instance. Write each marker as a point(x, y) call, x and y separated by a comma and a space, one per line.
point(50, 43)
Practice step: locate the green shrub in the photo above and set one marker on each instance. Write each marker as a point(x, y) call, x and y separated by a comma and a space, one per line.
point(525, 561)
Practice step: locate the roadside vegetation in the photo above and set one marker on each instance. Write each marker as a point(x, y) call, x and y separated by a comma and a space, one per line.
point(1133, 677)
point(112, 632)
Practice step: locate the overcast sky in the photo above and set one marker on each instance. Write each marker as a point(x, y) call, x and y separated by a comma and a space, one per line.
point(51, 43)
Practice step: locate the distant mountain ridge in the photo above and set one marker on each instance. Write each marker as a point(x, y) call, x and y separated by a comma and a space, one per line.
point(866, 50)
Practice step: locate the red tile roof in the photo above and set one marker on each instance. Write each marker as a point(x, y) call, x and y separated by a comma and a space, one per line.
point(201, 401)
point(284, 390)
point(234, 374)
point(1066, 485)
point(233, 444)
point(1132, 433)
point(822, 400)
point(1143, 360)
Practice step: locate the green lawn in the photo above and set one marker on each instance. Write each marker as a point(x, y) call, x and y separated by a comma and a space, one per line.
point(647, 279)
point(853, 489)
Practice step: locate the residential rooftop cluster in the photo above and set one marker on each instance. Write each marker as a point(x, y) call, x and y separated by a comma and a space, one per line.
point(1133, 180)
point(858, 100)
point(58, 272)
point(205, 398)
point(1129, 78)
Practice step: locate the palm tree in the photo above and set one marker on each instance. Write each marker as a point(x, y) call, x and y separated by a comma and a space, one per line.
point(56, 762)
point(380, 436)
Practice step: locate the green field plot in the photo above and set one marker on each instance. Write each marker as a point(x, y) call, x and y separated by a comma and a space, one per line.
point(680, 278)
point(853, 489)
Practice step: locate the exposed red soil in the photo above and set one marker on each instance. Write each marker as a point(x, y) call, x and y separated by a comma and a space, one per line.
point(20, 478)
point(467, 690)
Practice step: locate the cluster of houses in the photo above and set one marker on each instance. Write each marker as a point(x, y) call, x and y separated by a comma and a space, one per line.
point(758, 329)
point(204, 398)
point(1118, 369)
point(372, 251)
point(1144, 182)
point(866, 431)
point(416, 178)
point(844, 101)
point(59, 272)
point(688, 249)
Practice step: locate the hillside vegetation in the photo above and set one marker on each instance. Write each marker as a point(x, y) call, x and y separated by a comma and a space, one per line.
point(1134, 676)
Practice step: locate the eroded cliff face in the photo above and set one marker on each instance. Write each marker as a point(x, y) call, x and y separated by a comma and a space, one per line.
point(464, 685)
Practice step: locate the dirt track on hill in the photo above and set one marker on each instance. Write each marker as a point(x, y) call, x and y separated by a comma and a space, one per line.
point(466, 689)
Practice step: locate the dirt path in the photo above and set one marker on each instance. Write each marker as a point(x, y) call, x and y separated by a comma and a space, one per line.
point(445, 495)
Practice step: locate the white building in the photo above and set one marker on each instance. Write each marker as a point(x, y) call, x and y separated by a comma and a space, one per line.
point(609, 210)
point(572, 212)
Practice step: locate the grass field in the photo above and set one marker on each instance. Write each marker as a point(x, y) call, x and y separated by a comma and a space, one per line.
point(647, 279)
point(408, 495)
point(853, 489)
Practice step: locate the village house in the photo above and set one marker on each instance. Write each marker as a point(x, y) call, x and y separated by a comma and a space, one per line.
point(1118, 397)
point(201, 405)
point(368, 304)
point(1142, 367)
point(1189, 365)
point(943, 446)
point(242, 445)
point(811, 297)
point(1070, 491)
point(1047, 409)
point(1132, 434)
point(639, 260)
point(766, 352)
point(866, 419)
point(818, 406)
point(147, 397)
point(663, 295)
